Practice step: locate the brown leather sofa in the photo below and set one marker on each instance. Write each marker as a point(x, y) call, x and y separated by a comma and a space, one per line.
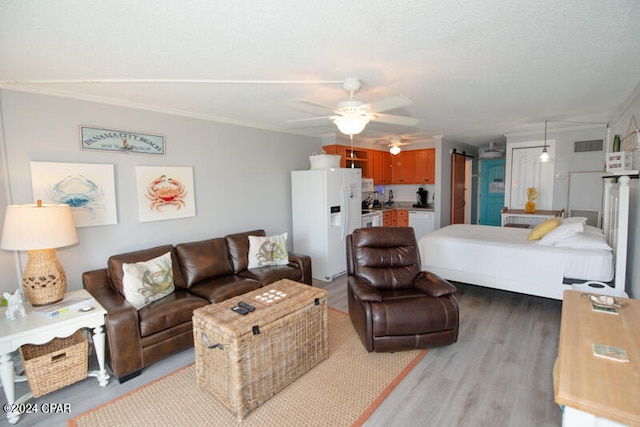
point(204, 272)
point(392, 304)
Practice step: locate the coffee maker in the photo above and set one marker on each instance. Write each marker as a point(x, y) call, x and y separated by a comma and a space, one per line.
point(421, 198)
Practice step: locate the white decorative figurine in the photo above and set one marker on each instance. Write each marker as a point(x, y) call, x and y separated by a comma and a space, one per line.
point(15, 305)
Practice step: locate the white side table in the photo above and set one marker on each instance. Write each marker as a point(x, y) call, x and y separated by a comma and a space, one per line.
point(37, 329)
point(518, 217)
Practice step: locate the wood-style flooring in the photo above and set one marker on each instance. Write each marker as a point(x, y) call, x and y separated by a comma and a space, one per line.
point(497, 374)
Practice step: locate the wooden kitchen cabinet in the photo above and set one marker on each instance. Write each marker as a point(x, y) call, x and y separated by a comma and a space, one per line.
point(388, 218)
point(381, 165)
point(402, 218)
point(359, 157)
point(402, 166)
point(395, 218)
point(408, 167)
point(425, 166)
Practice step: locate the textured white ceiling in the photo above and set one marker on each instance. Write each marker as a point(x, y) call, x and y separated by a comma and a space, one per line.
point(476, 70)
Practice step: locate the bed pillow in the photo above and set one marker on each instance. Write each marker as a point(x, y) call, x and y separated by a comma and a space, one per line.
point(575, 219)
point(148, 281)
point(268, 250)
point(589, 229)
point(561, 232)
point(543, 228)
point(584, 241)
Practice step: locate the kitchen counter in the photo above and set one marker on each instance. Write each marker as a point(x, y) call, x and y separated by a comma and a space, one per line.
point(400, 205)
point(421, 219)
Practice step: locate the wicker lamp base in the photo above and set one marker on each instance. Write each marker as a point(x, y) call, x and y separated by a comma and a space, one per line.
point(43, 280)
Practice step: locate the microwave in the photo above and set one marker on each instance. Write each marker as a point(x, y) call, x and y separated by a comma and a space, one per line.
point(367, 184)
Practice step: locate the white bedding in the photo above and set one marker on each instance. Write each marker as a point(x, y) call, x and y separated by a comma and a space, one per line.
point(503, 258)
point(589, 264)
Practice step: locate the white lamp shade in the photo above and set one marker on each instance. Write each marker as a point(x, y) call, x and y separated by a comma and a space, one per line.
point(30, 227)
point(395, 150)
point(351, 124)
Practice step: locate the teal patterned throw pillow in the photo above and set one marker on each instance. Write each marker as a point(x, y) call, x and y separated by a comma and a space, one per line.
point(269, 250)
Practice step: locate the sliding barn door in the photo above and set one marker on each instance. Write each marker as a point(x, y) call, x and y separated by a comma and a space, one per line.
point(458, 181)
point(527, 171)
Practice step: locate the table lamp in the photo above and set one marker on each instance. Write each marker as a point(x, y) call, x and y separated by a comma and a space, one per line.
point(39, 229)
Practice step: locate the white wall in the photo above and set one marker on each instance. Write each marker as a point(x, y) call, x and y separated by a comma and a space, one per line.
point(565, 160)
point(241, 175)
point(619, 126)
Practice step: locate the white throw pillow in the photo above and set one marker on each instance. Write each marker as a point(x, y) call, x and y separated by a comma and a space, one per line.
point(269, 250)
point(561, 232)
point(148, 281)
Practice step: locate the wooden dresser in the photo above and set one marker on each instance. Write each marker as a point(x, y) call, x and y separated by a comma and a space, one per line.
point(595, 390)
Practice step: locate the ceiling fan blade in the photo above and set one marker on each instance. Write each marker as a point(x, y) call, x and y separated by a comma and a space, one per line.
point(418, 139)
point(309, 119)
point(391, 144)
point(396, 120)
point(387, 104)
point(316, 104)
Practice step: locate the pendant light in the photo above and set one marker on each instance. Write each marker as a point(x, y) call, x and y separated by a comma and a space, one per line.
point(544, 156)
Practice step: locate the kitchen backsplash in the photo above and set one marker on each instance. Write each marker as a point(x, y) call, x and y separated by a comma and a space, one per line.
point(401, 193)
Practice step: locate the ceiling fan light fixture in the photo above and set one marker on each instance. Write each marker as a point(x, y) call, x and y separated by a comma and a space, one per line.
point(352, 124)
point(395, 150)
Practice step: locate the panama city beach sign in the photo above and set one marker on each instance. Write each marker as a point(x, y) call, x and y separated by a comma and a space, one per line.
point(120, 140)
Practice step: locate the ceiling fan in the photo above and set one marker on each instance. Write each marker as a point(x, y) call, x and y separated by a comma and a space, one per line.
point(351, 116)
point(395, 142)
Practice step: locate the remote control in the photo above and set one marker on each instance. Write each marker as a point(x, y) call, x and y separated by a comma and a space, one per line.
point(246, 306)
point(240, 310)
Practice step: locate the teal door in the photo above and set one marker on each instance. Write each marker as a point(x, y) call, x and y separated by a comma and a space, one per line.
point(491, 191)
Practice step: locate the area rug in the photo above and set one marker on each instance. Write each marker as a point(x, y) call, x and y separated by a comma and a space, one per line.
point(343, 390)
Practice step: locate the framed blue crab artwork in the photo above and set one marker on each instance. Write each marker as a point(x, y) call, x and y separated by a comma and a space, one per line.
point(165, 192)
point(87, 187)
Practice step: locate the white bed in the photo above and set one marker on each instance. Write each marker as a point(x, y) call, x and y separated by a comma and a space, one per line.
point(503, 257)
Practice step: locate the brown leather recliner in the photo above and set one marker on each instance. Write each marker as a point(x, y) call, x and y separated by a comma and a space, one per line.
point(394, 305)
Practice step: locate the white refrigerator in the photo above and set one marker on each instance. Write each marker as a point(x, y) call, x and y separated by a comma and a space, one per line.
point(326, 207)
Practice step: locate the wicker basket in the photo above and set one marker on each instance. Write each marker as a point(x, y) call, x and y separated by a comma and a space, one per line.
point(56, 364)
point(244, 360)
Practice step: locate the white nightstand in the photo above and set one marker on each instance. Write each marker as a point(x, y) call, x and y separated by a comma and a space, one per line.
point(37, 329)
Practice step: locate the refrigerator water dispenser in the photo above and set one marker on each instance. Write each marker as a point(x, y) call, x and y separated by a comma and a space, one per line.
point(335, 216)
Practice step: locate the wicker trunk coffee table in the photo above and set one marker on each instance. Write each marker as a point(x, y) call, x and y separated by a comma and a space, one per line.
point(243, 360)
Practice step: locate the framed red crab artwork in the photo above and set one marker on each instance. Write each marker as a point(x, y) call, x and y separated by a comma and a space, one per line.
point(165, 192)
